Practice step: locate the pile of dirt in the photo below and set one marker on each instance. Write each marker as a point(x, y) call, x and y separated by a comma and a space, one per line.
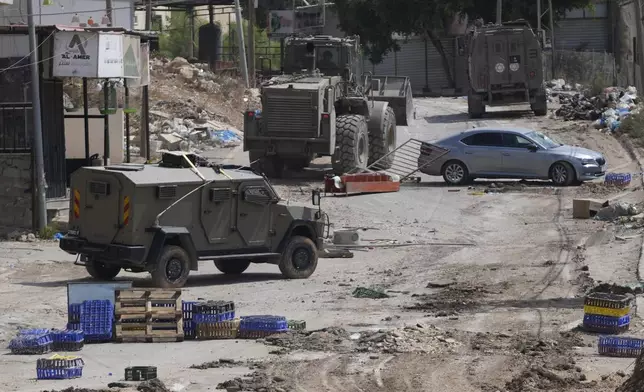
point(537, 378)
point(527, 345)
point(450, 300)
point(221, 363)
point(617, 289)
point(154, 385)
point(257, 381)
point(327, 339)
point(72, 389)
point(635, 383)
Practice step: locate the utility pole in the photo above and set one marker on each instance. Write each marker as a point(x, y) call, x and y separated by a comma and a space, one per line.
point(552, 37)
point(251, 42)
point(639, 54)
point(240, 41)
point(38, 171)
point(144, 141)
point(499, 10)
point(539, 29)
point(108, 11)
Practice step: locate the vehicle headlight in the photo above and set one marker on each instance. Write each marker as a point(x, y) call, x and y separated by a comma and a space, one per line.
point(588, 161)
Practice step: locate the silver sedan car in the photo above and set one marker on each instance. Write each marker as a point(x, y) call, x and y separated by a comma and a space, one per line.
point(510, 153)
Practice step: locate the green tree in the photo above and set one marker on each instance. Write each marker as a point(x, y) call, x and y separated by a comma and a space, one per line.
point(376, 21)
point(264, 46)
point(175, 40)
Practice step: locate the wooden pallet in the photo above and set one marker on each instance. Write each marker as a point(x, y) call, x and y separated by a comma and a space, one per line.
point(150, 302)
point(152, 316)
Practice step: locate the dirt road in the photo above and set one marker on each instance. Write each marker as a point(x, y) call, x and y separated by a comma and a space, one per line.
point(495, 312)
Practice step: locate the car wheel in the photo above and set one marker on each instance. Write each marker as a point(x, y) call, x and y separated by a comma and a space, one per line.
point(455, 173)
point(101, 271)
point(172, 269)
point(232, 267)
point(562, 174)
point(299, 259)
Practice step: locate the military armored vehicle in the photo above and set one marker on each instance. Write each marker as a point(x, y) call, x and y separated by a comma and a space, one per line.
point(165, 218)
point(505, 68)
point(324, 105)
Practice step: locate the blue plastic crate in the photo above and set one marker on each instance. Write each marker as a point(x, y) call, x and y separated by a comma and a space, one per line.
point(73, 336)
point(73, 327)
point(31, 344)
point(213, 318)
point(37, 331)
point(97, 320)
point(73, 313)
point(617, 346)
point(606, 321)
point(263, 323)
point(189, 327)
point(59, 374)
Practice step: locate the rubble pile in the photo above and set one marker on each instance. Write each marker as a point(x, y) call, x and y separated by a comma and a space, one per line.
point(193, 109)
point(607, 109)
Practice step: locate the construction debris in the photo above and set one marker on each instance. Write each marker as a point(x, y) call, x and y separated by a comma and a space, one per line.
point(363, 292)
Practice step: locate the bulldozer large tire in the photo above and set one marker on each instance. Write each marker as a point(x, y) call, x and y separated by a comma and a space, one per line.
point(271, 166)
point(540, 107)
point(382, 141)
point(352, 141)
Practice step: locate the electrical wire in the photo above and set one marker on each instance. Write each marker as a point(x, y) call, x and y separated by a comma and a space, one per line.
point(158, 4)
point(14, 65)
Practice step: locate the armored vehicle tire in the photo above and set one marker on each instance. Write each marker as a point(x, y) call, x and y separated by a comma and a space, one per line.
point(172, 269)
point(271, 166)
point(232, 267)
point(98, 270)
point(383, 141)
point(540, 107)
point(299, 259)
point(352, 138)
point(475, 106)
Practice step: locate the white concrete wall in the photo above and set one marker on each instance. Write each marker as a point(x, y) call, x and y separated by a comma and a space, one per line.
point(75, 136)
point(221, 17)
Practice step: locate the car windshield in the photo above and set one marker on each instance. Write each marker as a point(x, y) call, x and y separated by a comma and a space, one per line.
point(543, 139)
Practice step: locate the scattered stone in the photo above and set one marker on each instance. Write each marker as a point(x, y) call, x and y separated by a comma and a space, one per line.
point(154, 385)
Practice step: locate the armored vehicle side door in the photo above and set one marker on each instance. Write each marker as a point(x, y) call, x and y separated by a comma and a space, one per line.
point(254, 205)
point(100, 202)
point(497, 47)
point(217, 211)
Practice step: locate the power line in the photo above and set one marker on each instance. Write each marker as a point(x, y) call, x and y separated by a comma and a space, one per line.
point(160, 3)
point(13, 66)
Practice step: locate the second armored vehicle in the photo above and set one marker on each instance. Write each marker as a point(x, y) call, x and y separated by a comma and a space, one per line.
point(165, 218)
point(504, 68)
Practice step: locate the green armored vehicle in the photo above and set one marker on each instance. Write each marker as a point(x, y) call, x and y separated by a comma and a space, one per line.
point(325, 105)
point(165, 218)
point(505, 68)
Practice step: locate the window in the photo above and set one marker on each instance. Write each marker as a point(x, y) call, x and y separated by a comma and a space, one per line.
point(257, 195)
point(597, 10)
point(486, 139)
point(516, 141)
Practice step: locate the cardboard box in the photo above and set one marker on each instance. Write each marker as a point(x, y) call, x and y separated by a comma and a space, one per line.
point(586, 208)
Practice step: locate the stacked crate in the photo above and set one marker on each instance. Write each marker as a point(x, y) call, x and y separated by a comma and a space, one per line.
point(140, 373)
point(152, 316)
point(215, 320)
point(96, 320)
point(616, 346)
point(59, 368)
point(618, 179)
point(31, 342)
point(254, 327)
point(73, 316)
point(67, 340)
point(189, 328)
point(607, 313)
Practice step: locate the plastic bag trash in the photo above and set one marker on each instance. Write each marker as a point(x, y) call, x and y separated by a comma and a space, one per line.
point(363, 292)
point(599, 123)
point(609, 113)
point(632, 90)
point(611, 123)
point(58, 236)
point(567, 87)
point(225, 137)
point(615, 125)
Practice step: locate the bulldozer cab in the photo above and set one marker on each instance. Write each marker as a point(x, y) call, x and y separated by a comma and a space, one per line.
point(331, 56)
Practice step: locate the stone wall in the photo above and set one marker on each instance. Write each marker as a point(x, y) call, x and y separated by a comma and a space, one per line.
point(15, 192)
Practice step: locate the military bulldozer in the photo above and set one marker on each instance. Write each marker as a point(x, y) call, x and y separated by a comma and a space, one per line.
point(165, 218)
point(505, 68)
point(323, 104)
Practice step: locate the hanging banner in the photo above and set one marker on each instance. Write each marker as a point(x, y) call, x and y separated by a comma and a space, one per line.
point(131, 56)
point(281, 23)
point(144, 67)
point(75, 54)
point(110, 61)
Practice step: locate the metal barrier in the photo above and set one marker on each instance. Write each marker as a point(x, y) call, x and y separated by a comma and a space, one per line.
point(15, 126)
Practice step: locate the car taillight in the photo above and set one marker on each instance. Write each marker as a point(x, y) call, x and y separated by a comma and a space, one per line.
point(76, 204)
point(532, 74)
point(325, 116)
point(251, 114)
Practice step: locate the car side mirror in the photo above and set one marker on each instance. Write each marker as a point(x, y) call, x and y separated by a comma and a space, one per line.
point(533, 148)
point(315, 197)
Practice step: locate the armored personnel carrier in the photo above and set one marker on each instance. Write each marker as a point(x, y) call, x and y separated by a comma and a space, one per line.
point(325, 105)
point(166, 218)
point(505, 68)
